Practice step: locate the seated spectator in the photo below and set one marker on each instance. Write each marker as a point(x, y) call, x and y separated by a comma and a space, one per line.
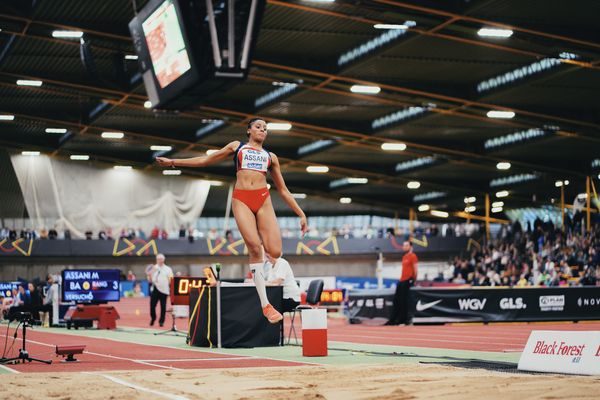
point(88, 234)
point(52, 234)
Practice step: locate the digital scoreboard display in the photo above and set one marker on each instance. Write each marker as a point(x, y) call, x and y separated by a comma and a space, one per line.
point(91, 285)
point(164, 38)
point(181, 286)
point(7, 287)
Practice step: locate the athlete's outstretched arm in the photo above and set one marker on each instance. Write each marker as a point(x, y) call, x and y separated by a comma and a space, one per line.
point(204, 161)
point(285, 193)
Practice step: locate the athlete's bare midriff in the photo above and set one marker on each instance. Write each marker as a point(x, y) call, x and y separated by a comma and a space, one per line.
point(250, 180)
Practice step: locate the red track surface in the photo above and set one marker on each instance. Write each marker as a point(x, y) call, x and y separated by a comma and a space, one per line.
point(478, 337)
point(105, 355)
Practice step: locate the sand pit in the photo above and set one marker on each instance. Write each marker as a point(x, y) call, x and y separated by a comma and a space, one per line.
point(336, 383)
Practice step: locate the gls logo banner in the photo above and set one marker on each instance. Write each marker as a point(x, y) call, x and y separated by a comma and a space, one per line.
point(508, 303)
point(471, 304)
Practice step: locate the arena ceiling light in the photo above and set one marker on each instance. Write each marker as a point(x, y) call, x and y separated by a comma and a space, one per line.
point(390, 26)
point(79, 157)
point(516, 137)
point(345, 200)
point(414, 163)
point(497, 209)
point(56, 130)
point(317, 169)
point(6, 117)
point(429, 196)
point(313, 147)
point(393, 146)
point(347, 181)
point(370, 46)
point(211, 126)
point(513, 179)
point(495, 32)
point(596, 163)
point(440, 214)
point(131, 57)
point(498, 204)
point(470, 209)
point(279, 126)
point(525, 71)
point(29, 82)
point(30, 153)
point(413, 185)
point(365, 89)
point(282, 90)
point(502, 193)
point(561, 183)
point(67, 34)
point(398, 116)
point(123, 167)
point(113, 135)
point(299, 195)
point(423, 207)
point(500, 114)
point(470, 199)
point(147, 104)
point(503, 165)
point(156, 147)
point(171, 172)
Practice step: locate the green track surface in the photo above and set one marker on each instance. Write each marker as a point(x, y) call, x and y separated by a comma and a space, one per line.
point(340, 353)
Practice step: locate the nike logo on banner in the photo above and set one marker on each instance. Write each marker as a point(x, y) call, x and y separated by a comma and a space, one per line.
point(423, 307)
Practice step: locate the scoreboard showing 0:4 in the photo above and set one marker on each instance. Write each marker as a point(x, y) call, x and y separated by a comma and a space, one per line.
point(91, 285)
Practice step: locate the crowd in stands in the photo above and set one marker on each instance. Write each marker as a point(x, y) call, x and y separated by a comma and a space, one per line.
point(190, 233)
point(542, 255)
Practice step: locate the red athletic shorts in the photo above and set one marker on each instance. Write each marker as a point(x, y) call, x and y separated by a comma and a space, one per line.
point(254, 199)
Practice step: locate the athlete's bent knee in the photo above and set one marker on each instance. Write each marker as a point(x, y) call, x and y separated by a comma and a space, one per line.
point(254, 249)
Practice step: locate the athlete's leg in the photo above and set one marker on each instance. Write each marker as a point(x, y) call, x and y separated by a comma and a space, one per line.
point(246, 222)
point(269, 229)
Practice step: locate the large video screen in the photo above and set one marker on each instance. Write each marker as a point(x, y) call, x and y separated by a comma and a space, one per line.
point(7, 287)
point(90, 285)
point(164, 37)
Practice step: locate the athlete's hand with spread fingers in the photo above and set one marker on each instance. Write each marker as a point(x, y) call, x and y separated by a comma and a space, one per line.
point(303, 225)
point(164, 161)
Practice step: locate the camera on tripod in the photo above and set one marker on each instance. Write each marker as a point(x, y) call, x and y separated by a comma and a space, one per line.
point(24, 317)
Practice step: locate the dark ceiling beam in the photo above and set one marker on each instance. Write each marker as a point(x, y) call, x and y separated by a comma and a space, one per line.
point(434, 11)
point(348, 137)
point(459, 155)
point(363, 20)
point(429, 95)
point(450, 15)
point(29, 21)
point(293, 164)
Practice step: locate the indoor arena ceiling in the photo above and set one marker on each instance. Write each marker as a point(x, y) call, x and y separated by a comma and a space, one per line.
point(438, 79)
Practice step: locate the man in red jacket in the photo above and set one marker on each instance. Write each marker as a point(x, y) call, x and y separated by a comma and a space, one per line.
point(408, 278)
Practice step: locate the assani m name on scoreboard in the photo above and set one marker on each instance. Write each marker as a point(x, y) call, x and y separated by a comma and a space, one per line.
point(78, 275)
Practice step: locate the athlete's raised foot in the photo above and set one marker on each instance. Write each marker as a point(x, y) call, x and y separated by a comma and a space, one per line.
point(272, 314)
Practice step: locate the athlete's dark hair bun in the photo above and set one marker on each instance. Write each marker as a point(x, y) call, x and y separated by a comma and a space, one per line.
point(253, 120)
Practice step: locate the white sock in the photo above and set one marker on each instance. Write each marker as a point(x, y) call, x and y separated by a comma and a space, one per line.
point(259, 281)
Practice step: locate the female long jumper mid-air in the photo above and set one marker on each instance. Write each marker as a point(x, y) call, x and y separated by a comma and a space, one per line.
point(252, 207)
